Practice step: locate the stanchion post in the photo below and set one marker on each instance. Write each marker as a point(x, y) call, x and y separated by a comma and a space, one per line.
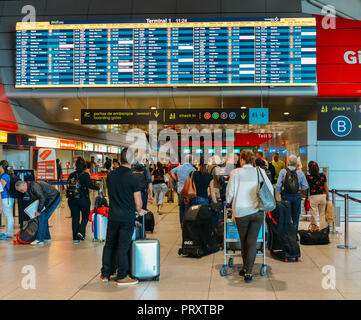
point(346, 245)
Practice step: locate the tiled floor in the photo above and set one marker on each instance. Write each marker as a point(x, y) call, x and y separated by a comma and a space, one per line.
point(68, 271)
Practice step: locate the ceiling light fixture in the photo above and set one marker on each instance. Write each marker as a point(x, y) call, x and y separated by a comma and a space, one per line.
point(286, 113)
point(65, 108)
point(243, 107)
point(76, 119)
point(153, 108)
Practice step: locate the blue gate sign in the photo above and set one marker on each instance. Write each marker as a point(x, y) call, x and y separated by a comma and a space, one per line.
point(341, 126)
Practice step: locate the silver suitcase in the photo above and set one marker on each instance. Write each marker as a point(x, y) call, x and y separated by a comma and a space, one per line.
point(145, 260)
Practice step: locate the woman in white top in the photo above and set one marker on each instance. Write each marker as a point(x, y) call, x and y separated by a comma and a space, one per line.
point(242, 193)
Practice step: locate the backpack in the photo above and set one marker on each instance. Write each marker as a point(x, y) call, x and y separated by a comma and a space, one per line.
point(268, 172)
point(139, 171)
point(73, 187)
point(28, 232)
point(12, 190)
point(159, 176)
point(290, 183)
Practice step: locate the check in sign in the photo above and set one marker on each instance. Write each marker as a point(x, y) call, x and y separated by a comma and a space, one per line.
point(339, 121)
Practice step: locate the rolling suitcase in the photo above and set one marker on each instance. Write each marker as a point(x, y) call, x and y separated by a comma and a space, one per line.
point(145, 258)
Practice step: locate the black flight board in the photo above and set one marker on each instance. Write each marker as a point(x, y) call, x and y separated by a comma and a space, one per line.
point(166, 53)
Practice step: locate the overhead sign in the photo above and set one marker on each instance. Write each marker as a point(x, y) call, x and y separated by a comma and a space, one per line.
point(339, 58)
point(3, 137)
point(68, 144)
point(339, 121)
point(175, 116)
point(46, 169)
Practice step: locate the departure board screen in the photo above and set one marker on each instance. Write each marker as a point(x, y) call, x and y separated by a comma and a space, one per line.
point(166, 52)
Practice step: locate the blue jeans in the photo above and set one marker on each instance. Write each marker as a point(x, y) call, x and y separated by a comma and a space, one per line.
point(295, 202)
point(198, 200)
point(8, 213)
point(43, 231)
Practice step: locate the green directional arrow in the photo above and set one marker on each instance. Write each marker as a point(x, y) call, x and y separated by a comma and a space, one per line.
point(243, 116)
point(156, 114)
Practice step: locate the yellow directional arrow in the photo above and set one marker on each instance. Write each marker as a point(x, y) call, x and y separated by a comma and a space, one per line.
point(359, 126)
point(243, 116)
point(156, 114)
point(86, 114)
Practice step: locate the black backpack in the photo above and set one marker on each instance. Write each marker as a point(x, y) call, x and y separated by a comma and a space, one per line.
point(12, 190)
point(74, 189)
point(290, 183)
point(28, 232)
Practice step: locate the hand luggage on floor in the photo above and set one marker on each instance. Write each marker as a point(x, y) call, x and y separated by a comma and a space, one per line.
point(28, 232)
point(145, 257)
point(99, 219)
point(170, 196)
point(198, 231)
point(283, 236)
point(314, 236)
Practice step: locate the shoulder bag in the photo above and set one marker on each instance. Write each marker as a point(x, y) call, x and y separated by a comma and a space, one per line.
point(189, 190)
point(267, 201)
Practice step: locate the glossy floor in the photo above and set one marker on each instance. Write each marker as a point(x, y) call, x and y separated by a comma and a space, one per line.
point(65, 270)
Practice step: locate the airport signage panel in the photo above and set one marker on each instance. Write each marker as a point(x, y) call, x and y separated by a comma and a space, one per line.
point(339, 59)
point(171, 52)
point(339, 121)
point(3, 137)
point(68, 144)
point(174, 116)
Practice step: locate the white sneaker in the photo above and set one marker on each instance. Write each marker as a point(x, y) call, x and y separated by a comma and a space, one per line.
point(48, 241)
point(36, 242)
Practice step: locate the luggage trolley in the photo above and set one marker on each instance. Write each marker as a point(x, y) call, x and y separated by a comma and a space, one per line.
point(231, 236)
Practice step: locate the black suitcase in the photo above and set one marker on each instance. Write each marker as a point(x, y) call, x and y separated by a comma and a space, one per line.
point(283, 236)
point(149, 221)
point(198, 231)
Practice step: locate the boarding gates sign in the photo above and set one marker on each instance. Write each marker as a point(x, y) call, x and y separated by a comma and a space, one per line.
point(339, 121)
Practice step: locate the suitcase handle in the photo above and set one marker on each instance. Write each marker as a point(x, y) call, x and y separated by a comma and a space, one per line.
point(142, 225)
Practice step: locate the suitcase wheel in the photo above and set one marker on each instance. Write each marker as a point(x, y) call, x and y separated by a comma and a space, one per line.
point(263, 271)
point(156, 278)
point(180, 252)
point(230, 262)
point(223, 271)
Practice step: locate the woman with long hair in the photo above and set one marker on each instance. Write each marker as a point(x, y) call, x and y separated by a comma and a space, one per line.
point(203, 180)
point(319, 195)
point(80, 204)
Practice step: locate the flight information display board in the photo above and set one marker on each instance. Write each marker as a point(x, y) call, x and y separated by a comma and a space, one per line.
point(167, 52)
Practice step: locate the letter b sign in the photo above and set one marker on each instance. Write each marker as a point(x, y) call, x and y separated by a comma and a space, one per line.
point(341, 126)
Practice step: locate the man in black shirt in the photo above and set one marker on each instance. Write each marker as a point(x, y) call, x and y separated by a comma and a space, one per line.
point(125, 200)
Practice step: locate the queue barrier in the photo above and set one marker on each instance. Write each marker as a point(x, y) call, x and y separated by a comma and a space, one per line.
point(346, 198)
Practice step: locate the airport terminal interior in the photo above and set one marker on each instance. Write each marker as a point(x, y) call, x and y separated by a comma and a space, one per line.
point(169, 78)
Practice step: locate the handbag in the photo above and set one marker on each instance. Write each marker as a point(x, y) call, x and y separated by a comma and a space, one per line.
point(314, 236)
point(166, 178)
point(189, 190)
point(266, 199)
point(307, 203)
point(330, 213)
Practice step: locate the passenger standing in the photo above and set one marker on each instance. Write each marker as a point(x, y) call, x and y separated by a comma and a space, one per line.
point(93, 165)
point(241, 192)
point(115, 164)
point(319, 195)
point(125, 200)
point(49, 199)
point(6, 201)
point(203, 180)
point(160, 186)
point(290, 183)
point(145, 179)
point(81, 203)
point(180, 175)
point(59, 170)
point(278, 166)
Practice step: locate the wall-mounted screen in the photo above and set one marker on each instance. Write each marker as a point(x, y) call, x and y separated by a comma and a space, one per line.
point(167, 52)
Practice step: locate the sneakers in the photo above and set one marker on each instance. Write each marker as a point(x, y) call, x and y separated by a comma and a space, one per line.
point(248, 278)
point(3, 236)
point(103, 279)
point(37, 242)
point(81, 237)
point(76, 241)
point(242, 272)
point(127, 281)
